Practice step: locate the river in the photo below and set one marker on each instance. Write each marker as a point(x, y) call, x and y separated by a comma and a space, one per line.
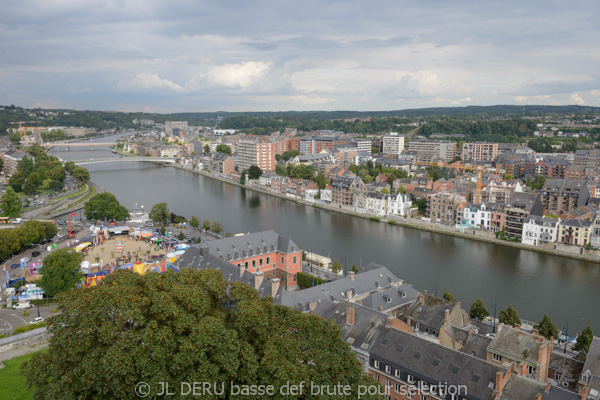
point(535, 284)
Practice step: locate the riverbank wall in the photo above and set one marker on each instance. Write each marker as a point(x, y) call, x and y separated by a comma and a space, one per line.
point(471, 234)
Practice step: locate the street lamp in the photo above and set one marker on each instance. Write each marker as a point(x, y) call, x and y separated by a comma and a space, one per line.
point(566, 337)
point(494, 320)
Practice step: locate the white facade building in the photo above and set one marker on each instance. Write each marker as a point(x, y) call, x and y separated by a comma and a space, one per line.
point(399, 204)
point(393, 144)
point(537, 230)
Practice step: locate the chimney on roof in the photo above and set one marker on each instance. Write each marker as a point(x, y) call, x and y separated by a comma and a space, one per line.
point(548, 385)
point(520, 334)
point(539, 339)
point(518, 327)
point(538, 396)
point(350, 293)
point(499, 382)
point(242, 267)
point(421, 298)
point(536, 332)
point(446, 315)
point(351, 275)
point(274, 286)
point(523, 369)
point(350, 316)
point(381, 308)
point(258, 279)
point(312, 305)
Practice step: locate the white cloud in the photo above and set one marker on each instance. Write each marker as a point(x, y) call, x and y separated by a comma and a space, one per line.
point(578, 100)
point(147, 81)
point(241, 75)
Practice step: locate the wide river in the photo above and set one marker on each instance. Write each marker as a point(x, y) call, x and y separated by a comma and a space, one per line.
point(535, 284)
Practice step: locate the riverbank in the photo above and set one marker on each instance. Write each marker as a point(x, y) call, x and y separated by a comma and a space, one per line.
point(406, 222)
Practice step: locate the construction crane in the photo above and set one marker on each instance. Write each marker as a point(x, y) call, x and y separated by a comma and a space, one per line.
point(478, 191)
point(33, 129)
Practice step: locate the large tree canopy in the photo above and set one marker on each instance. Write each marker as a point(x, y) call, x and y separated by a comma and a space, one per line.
point(160, 213)
point(105, 206)
point(11, 204)
point(191, 326)
point(61, 271)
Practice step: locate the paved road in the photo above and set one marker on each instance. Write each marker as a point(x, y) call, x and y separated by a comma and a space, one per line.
point(10, 319)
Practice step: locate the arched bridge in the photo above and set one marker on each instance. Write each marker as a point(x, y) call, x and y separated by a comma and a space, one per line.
point(122, 159)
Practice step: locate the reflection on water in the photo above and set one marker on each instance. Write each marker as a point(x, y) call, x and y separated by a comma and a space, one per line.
point(533, 283)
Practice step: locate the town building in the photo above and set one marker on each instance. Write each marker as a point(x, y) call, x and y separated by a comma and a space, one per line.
point(479, 151)
point(255, 151)
point(442, 207)
point(587, 158)
point(538, 230)
point(518, 208)
point(222, 164)
point(516, 165)
point(574, 232)
point(11, 159)
point(171, 125)
point(316, 144)
point(444, 150)
point(393, 144)
point(343, 189)
point(559, 196)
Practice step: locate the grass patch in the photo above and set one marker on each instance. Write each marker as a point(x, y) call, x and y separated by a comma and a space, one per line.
point(375, 219)
point(392, 222)
point(86, 198)
point(12, 384)
point(315, 206)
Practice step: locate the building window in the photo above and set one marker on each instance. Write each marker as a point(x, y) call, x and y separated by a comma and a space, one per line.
point(397, 373)
point(497, 357)
point(376, 377)
point(294, 259)
point(410, 379)
point(246, 264)
point(253, 263)
point(282, 260)
point(376, 364)
point(388, 369)
point(260, 262)
point(294, 278)
point(268, 260)
point(397, 388)
point(531, 370)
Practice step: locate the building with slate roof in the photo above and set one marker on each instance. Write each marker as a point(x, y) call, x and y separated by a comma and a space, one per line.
point(559, 196)
point(590, 378)
point(430, 315)
point(274, 255)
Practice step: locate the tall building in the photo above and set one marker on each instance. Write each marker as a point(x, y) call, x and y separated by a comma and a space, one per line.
point(170, 125)
point(315, 144)
point(479, 151)
point(393, 144)
point(445, 150)
point(259, 152)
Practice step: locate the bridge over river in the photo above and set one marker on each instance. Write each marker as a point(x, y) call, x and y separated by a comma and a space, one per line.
point(125, 159)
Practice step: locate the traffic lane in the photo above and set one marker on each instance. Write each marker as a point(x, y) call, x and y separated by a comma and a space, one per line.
point(10, 319)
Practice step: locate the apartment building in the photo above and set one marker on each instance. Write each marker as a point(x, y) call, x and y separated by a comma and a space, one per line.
point(316, 144)
point(445, 150)
point(393, 144)
point(343, 189)
point(479, 151)
point(255, 151)
point(559, 196)
point(171, 125)
point(519, 207)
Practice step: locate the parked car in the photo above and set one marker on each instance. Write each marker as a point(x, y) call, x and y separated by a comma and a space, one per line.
point(14, 266)
point(37, 320)
point(36, 254)
point(22, 304)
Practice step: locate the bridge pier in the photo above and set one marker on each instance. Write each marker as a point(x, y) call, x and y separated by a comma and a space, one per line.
point(92, 148)
point(67, 148)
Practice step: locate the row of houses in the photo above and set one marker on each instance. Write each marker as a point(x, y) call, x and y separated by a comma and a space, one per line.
point(416, 345)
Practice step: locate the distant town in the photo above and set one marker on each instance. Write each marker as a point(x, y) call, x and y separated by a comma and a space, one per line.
point(538, 193)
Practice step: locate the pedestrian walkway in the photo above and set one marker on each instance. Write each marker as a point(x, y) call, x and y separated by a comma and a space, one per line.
point(21, 351)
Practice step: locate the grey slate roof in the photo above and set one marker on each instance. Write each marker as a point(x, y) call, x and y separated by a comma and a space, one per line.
point(515, 343)
point(592, 361)
point(435, 363)
point(391, 298)
point(558, 393)
point(432, 313)
point(476, 345)
point(519, 387)
point(368, 324)
point(197, 257)
point(522, 200)
point(569, 367)
point(238, 247)
point(363, 282)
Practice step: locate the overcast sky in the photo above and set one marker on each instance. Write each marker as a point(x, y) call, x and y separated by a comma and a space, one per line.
point(259, 55)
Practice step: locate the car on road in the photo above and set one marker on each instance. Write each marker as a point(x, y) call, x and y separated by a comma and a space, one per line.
point(36, 320)
point(36, 254)
point(14, 266)
point(22, 304)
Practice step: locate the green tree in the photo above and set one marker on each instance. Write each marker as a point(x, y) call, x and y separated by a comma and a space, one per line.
point(223, 148)
point(189, 326)
point(181, 236)
point(421, 205)
point(281, 170)
point(160, 213)
point(547, 328)
point(206, 149)
point(321, 180)
point(336, 266)
point(216, 227)
point(61, 271)
point(254, 172)
point(355, 269)
point(11, 204)
point(509, 316)
point(449, 297)
point(478, 310)
point(194, 223)
point(105, 206)
point(584, 341)
point(206, 225)
point(29, 187)
point(243, 177)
